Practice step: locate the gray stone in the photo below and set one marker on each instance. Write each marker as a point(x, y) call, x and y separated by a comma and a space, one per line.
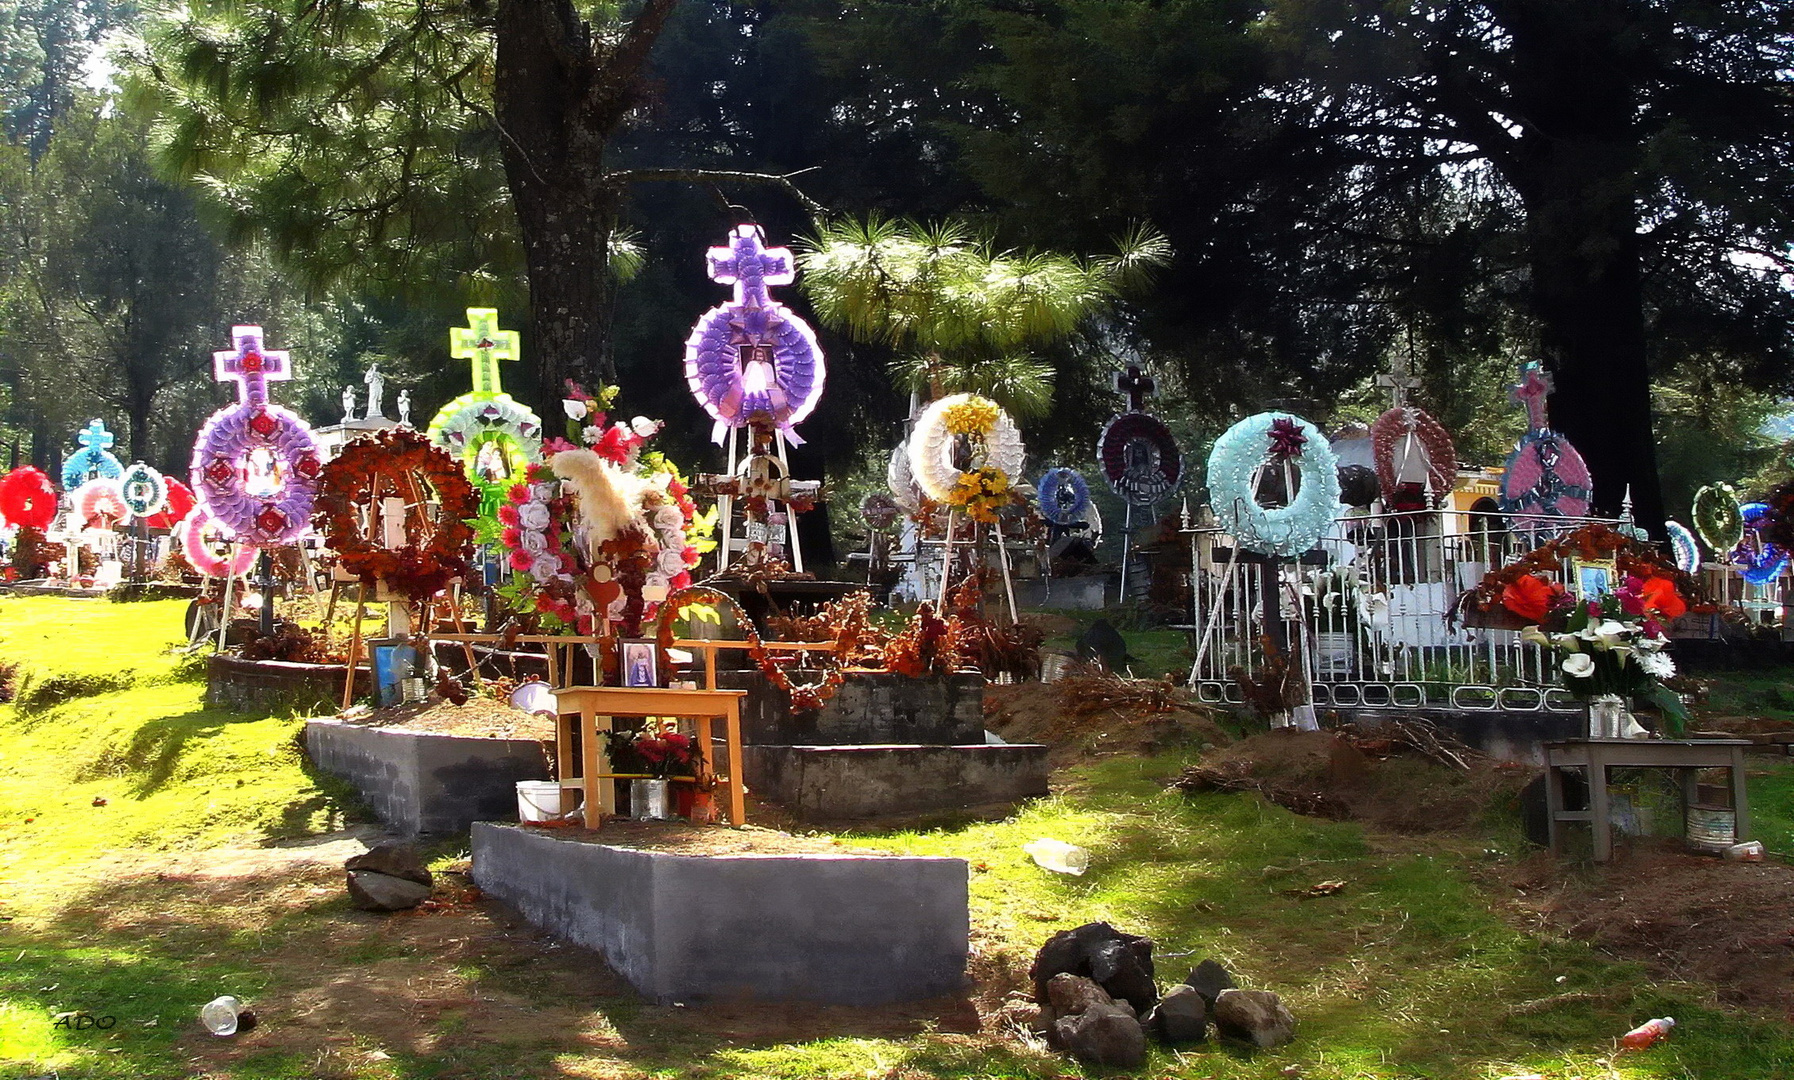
point(1068, 995)
point(1209, 979)
point(425, 782)
point(1120, 963)
point(1181, 1016)
point(394, 858)
point(837, 928)
point(1104, 1035)
point(1254, 1016)
point(843, 783)
point(372, 891)
point(1020, 1015)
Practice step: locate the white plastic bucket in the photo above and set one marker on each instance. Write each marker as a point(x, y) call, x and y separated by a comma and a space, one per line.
point(538, 800)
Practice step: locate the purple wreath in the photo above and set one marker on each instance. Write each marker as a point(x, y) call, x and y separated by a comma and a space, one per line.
point(1139, 457)
point(751, 360)
point(222, 455)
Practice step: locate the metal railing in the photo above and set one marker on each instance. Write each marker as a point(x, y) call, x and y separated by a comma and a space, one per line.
point(1363, 619)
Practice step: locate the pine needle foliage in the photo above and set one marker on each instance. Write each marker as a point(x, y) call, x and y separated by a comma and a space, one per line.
point(963, 314)
point(356, 139)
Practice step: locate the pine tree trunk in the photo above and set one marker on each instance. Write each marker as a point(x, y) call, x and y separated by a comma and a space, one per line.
point(553, 151)
point(1576, 170)
point(561, 95)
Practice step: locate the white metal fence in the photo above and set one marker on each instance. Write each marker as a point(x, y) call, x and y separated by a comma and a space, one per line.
point(1363, 619)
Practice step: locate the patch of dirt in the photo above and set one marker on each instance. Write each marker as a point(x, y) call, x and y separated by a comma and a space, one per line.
point(1683, 915)
point(1094, 716)
point(1391, 787)
point(481, 716)
point(683, 838)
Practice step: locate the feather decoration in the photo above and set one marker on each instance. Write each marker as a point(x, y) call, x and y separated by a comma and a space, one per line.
point(610, 500)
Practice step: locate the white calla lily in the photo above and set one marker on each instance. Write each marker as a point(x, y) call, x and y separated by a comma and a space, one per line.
point(1579, 665)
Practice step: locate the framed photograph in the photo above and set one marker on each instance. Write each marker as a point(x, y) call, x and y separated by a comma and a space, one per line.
point(1590, 580)
point(394, 662)
point(639, 666)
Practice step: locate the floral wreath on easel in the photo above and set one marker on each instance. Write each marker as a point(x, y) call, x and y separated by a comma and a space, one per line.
point(403, 464)
point(986, 486)
point(1234, 463)
point(1717, 517)
point(1393, 429)
point(603, 530)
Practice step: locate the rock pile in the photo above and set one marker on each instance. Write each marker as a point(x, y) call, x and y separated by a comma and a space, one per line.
point(388, 877)
point(1095, 998)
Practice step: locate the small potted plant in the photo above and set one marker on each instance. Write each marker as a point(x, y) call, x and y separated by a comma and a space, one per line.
point(666, 752)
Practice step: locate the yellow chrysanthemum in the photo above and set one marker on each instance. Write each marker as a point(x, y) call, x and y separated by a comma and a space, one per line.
point(974, 416)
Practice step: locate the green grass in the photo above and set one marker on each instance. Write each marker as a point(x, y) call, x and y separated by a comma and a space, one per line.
point(1156, 651)
point(1409, 972)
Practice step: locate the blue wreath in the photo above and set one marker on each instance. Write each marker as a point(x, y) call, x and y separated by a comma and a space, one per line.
point(1287, 531)
point(77, 467)
point(1758, 565)
point(1064, 496)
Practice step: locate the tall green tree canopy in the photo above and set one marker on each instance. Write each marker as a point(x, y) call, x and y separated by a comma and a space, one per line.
point(372, 139)
point(1645, 145)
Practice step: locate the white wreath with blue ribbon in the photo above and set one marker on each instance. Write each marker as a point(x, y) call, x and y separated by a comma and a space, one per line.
point(1287, 531)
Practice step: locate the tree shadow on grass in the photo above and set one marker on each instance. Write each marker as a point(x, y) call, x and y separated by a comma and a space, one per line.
point(463, 989)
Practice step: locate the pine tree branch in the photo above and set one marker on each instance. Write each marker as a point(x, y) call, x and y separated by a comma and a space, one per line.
point(623, 177)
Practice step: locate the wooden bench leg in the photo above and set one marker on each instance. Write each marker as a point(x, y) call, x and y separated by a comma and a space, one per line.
point(1554, 805)
point(1597, 805)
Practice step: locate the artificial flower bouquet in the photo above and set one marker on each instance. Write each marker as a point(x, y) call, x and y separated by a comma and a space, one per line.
point(1612, 644)
point(1335, 597)
point(659, 747)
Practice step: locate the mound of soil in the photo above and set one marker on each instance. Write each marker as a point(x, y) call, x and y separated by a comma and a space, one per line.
point(684, 838)
point(479, 717)
point(1682, 915)
point(1327, 775)
point(1086, 716)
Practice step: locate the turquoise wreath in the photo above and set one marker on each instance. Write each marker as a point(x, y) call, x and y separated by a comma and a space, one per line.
point(1286, 531)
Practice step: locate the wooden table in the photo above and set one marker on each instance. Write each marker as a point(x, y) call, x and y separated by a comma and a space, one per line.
point(1599, 755)
point(593, 704)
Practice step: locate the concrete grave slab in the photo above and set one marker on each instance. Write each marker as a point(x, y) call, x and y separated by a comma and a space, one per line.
point(423, 781)
point(832, 928)
point(842, 783)
point(869, 707)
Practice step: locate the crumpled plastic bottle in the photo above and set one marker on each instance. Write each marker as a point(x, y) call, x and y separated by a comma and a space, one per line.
point(1648, 1034)
point(1058, 856)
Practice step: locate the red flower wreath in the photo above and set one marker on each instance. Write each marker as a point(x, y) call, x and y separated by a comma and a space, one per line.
point(27, 498)
point(804, 698)
point(403, 464)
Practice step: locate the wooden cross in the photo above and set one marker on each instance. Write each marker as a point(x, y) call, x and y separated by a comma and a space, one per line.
point(485, 344)
point(94, 437)
point(1398, 382)
point(1137, 385)
point(250, 365)
point(756, 480)
point(1530, 392)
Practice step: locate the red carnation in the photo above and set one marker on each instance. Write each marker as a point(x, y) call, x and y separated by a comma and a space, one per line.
point(1659, 594)
point(1529, 597)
